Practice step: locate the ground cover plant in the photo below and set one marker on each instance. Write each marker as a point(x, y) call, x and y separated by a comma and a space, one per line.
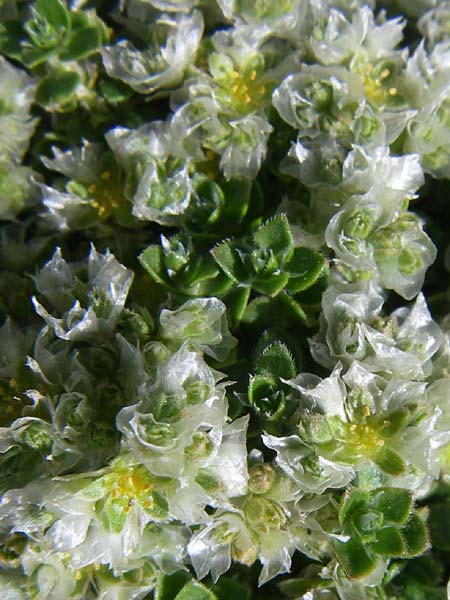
point(224, 297)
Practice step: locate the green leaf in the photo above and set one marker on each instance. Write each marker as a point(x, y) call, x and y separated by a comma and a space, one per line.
point(228, 259)
point(353, 558)
point(275, 235)
point(32, 57)
point(195, 591)
point(352, 501)
point(81, 43)
point(168, 586)
point(415, 536)
point(54, 12)
point(236, 301)
point(277, 361)
point(151, 260)
point(388, 542)
point(389, 462)
point(312, 296)
point(226, 589)
point(236, 198)
point(395, 504)
point(304, 268)
point(57, 88)
point(261, 387)
point(115, 91)
point(271, 285)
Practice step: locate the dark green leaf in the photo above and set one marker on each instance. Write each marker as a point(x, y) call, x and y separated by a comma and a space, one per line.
point(236, 302)
point(227, 257)
point(151, 260)
point(228, 589)
point(271, 285)
point(353, 558)
point(352, 501)
point(275, 235)
point(415, 536)
point(54, 12)
point(277, 361)
point(389, 462)
point(395, 504)
point(57, 88)
point(304, 268)
point(115, 91)
point(168, 586)
point(81, 43)
point(388, 542)
point(195, 591)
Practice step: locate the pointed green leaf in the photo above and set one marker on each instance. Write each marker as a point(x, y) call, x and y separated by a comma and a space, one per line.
point(415, 536)
point(395, 504)
point(81, 43)
point(261, 387)
point(54, 12)
point(312, 296)
point(168, 586)
point(304, 268)
point(227, 588)
point(389, 462)
point(228, 259)
point(353, 558)
point(236, 301)
point(354, 500)
point(271, 285)
point(57, 88)
point(275, 235)
point(195, 591)
point(388, 542)
point(236, 199)
point(151, 260)
point(277, 361)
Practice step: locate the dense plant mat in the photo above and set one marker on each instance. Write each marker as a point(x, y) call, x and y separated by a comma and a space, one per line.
point(224, 298)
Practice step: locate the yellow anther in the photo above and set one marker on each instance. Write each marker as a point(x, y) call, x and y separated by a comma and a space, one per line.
point(247, 99)
point(261, 89)
point(392, 91)
point(78, 575)
point(384, 73)
point(366, 410)
point(12, 382)
point(252, 75)
point(379, 443)
point(234, 75)
point(92, 188)
point(234, 89)
point(353, 427)
point(105, 175)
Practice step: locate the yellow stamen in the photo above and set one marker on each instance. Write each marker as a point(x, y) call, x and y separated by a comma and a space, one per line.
point(252, 75)
point(92, 188)
point(105, 175)
point(392, 91)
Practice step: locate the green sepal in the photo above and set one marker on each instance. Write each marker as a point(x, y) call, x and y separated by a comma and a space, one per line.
point(195, 591)
point(57, 88)
point(388, 542)
point(395, 504)
point(354, 559)
point(32, 57)
point(168, 586)
point(81, 44)
point(415, 536)
point(389, 462)
point(276, 360)
point(275, 235)
point(304, 268)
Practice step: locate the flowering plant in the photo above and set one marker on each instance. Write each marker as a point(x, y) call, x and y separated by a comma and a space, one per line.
point(224, 287)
